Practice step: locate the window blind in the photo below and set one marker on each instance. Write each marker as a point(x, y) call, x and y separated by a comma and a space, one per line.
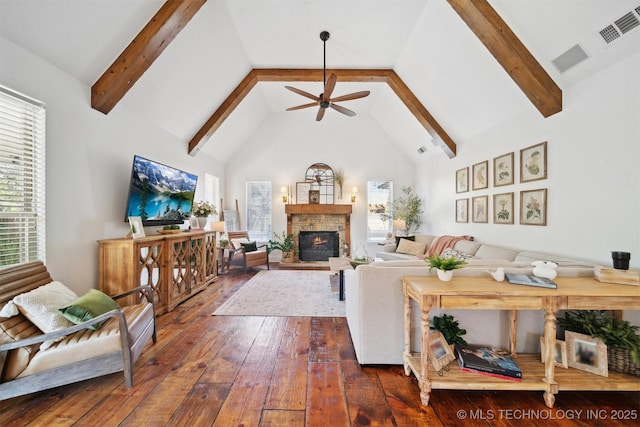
point(22, 178)
point(259, 209)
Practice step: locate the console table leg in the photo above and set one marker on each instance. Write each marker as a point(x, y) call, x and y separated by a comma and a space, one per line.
point(407, 334)
point(425, 384)
point(549, 362)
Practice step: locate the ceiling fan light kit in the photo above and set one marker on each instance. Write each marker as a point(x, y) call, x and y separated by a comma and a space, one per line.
point(324, 100)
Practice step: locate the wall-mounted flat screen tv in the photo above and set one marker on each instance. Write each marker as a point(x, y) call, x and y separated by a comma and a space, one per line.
point(159, 194)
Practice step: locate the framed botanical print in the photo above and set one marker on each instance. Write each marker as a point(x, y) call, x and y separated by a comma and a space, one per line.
point(462, 206)
point(533, 207)
point(302, 192)
point(462, 180)
point(480, 175)
point(503, 170)
point(503, 208)
point(533, 162)
point(480, 208)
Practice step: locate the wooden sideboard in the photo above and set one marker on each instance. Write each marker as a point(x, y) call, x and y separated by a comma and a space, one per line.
point(475, 293)
point(176, 266)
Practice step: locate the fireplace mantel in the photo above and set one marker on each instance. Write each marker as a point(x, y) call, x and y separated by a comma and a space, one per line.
point(315, 217)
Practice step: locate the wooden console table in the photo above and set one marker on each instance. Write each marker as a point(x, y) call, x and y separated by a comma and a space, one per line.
point(475, 293)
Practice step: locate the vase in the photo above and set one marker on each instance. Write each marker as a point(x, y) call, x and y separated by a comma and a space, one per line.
point(445, 275)
point(620, 260)
point(202, 221)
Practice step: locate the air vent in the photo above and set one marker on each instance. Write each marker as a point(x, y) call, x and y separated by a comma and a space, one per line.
point(570, 58)
point(621, 26)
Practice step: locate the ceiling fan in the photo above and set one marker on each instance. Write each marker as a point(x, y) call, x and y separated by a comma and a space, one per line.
point(324, 100)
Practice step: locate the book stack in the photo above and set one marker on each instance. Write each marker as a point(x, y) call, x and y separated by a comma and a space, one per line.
point(488, 361)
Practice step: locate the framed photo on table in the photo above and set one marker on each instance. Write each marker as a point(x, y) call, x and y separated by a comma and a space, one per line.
point(559, 353)
point(314, 196)
point(480, 175)
point(586, 353)
point(302, 192)
point(440, 353)
point(135, 223)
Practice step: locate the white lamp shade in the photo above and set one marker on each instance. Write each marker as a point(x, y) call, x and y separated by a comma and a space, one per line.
point(217, 226)
point(399, 224)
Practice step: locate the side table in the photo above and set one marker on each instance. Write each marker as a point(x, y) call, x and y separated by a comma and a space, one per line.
point(337, 264)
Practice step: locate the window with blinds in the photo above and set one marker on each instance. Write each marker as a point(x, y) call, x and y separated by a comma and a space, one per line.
point(259, 210)
point(22, 178)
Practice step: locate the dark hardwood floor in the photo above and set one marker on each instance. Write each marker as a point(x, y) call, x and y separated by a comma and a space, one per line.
point(276, 371)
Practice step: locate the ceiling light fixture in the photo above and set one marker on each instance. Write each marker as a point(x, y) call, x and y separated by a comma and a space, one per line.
point(325, 101)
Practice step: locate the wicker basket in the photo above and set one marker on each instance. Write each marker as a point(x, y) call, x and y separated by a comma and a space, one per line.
point(619, 360)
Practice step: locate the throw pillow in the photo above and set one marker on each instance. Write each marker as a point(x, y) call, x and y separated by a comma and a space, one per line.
point(411, 248)
point(90, 305)
point(452, 253)
point(237, 243)
point(41, 306)
point(249, 247)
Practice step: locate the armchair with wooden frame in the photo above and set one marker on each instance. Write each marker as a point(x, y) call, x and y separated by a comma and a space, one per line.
point(238, 255)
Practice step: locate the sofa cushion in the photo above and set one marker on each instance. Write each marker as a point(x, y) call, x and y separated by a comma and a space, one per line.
point(452, 253)
point(90, 305)
point(495, 252)
point(12, 329)
point(411, 248)
point(467, 246)
point(41, 306)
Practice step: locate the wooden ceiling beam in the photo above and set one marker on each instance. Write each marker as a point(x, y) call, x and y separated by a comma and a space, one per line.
point(143, 50)
point(316, 75)
point(511, 53)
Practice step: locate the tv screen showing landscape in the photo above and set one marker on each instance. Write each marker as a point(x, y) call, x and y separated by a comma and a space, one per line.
point(159, 194)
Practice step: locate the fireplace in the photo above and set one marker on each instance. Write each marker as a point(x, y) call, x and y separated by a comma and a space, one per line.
point(318, 245)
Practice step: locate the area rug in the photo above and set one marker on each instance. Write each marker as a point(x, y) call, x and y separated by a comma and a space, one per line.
point(285, 293)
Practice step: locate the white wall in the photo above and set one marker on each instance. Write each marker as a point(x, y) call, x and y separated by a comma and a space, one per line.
point(282, 149)
point(89, 157)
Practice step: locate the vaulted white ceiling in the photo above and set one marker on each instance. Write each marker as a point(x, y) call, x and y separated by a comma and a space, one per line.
point(424, 41)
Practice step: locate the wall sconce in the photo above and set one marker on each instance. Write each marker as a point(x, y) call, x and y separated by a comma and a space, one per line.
point(284, 192)
point(354, 190)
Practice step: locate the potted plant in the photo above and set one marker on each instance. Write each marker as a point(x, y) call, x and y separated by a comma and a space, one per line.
point(450, 329)
point(408, 207)
point(621, 337)
point(286, 244)
point(445, 266)
point(202, 210)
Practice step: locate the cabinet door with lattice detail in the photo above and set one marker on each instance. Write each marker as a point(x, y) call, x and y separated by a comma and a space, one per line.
point(179, 270)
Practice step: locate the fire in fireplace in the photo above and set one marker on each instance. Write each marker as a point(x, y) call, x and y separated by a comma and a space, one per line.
point(318, 245)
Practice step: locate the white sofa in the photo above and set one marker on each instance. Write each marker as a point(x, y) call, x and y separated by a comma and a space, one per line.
point(375, 303)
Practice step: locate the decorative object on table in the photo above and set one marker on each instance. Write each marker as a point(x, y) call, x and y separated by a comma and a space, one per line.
point(503, 208)
point(480, 175)
point(450, 328)
point(620, 260)
point(462, 180)
point(314, 196)
point(445, 266)
point(338, 176)
point(325, 101)
point(400, 226)
point(533, 207)
point(462, 208)
point(613, 275)
point(202, 210)
point(359, 256)
point(586, 353)
point(546, 269)
point(559, 353)
point(135, 224)
point(620, 337)
point(285, 243)
point(407, 207)
point(483, 360)
point(533, 162)
point(170, 229)
point(480, 209)
point(497, 275)
point(440, 352)
point(302, 192)
point(503, 170)
point(528, 280)
point(320, 177)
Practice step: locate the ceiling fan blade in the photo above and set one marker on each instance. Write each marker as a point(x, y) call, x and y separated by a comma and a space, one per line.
point(342, 110)
point(328, 88)
point(300, 107)
point(355, 95)
point(320, 114)
point(303, 93)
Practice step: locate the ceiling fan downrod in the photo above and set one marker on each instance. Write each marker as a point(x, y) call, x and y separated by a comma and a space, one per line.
point(324, 36)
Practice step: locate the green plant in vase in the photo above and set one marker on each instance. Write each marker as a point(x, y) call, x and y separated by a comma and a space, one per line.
point(285, 243)
point(445, 266)
point(450, 329)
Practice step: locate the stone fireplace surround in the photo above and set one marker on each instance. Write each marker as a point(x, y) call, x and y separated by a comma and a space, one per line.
point(319, 217)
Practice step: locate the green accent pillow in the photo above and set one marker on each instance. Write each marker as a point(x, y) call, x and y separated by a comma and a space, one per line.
point(249, 247)
point(90, 305)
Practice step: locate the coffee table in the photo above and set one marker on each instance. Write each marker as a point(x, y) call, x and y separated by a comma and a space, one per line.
point(338, 265)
